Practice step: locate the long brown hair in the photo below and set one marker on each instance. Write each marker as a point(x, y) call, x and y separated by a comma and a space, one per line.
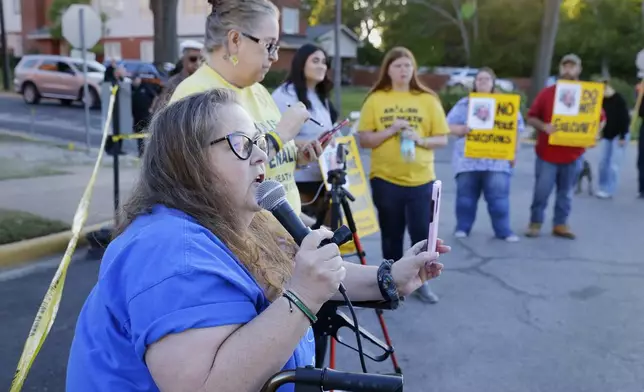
point(384, 81)
point(176, 172)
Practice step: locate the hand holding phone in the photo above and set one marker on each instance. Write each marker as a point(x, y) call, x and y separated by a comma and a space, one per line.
point(434, 205)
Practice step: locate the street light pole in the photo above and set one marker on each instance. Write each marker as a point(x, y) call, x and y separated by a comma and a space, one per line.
point(337, 57)
point(5, 51)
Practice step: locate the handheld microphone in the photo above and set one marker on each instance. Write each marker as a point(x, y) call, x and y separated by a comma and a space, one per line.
point(271, 196)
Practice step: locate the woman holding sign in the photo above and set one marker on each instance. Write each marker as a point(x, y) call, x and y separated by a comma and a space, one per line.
point(480, 175)
point(402, 121)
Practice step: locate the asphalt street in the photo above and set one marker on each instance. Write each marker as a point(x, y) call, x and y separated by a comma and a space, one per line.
point(539, 315)
point(50, 119)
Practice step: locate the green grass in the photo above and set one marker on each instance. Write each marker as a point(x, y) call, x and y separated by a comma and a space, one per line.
point(18, 225)
point(352, 99)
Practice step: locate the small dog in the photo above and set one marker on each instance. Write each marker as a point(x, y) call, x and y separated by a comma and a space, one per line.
point(586, 172)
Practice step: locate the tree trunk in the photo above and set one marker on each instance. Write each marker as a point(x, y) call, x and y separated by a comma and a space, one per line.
point(546, 48)
point(165, 30)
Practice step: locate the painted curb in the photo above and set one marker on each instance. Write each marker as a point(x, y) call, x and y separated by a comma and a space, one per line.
point(32, 250)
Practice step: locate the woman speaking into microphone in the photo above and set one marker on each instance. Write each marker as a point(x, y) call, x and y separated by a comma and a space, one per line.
point(193, 294)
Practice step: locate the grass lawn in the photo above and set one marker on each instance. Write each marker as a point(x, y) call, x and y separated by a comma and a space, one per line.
point(352, 99)
point(18, 225)
point(11, 169)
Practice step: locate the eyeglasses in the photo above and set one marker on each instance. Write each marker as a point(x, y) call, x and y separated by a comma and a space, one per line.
point(270, 47)
point(242, 145)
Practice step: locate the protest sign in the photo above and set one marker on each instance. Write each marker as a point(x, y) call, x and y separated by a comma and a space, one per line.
point(493, 119)
point(576, 113)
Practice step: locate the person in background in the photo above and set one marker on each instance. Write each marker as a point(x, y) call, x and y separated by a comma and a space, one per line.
point(399, 106)
point(191, 59)
point(640, 150)
point(614, 139)
point(475, 176)
point(309, 83)
point(142, 98)
point(241, 44)
point(555, 165)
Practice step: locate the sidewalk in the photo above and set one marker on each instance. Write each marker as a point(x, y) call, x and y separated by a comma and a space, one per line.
point(57, 197)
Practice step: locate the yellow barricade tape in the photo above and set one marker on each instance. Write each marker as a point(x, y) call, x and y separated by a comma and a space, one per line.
point(129, 136)
point(49, 307)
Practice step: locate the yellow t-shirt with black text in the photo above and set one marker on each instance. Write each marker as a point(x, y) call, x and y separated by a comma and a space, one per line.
point(259, 103)
point(424, 113)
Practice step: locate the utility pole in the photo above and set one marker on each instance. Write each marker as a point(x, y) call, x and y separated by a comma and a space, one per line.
point(5, 50)
point(337, 57)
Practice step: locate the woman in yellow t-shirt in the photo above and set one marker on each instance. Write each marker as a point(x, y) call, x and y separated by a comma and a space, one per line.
point(401, 112)
point(241, 44)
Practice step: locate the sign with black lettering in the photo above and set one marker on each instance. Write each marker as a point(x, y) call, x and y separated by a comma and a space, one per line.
point(493, 119)
point(576, 113)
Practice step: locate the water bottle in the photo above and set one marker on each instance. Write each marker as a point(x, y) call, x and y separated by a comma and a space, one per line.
point(407, 148)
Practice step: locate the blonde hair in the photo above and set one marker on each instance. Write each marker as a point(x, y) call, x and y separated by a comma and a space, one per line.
point(176, 172)
point(239, 15)
point(384, 81)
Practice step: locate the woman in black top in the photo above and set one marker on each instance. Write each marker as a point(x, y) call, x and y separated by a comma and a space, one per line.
point(613, 141)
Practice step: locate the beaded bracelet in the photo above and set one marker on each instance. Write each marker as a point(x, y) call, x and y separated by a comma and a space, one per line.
point(294, 299)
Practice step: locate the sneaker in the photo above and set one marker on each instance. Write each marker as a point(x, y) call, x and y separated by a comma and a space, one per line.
point(460, 234)
point(602, 195)
point(533, 230)
point(563, 231)
point(511, 238)
point(425, 294)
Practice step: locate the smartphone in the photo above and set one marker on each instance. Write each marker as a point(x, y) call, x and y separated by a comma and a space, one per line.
point(435, 207)
point(326, 136)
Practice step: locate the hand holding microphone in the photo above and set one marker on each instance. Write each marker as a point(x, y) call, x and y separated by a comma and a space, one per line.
point(318, 271)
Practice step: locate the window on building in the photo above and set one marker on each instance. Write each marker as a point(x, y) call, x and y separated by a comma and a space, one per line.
point(113, 8)
point(144, 8)
point(112, 50)
point(17, 6)
point(146, 49)
point(195, 7)
point(290, 20)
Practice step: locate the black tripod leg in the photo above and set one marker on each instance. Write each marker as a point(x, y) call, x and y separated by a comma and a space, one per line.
point(321, 340)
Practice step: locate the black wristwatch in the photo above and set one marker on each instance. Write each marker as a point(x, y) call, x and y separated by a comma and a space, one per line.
point(386, 284)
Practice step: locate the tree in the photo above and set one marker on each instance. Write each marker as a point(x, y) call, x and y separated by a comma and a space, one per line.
point(164, 14)
point(605, 33)
point(55, 15)
point(546, 47)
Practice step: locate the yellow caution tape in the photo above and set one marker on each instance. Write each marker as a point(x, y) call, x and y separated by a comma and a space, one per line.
point(49, 307)
point(116, 138)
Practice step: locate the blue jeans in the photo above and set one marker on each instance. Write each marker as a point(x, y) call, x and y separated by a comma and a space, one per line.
point(611, 159)
point(495, 187)
point(547, 175)
point(400, 208)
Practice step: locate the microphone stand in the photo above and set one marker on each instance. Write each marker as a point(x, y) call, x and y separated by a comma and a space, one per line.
point(330, 319)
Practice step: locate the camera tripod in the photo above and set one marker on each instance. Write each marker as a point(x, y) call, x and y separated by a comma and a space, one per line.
point(330, 319)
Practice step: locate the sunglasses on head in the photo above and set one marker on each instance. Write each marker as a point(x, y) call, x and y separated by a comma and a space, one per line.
point(242, 145)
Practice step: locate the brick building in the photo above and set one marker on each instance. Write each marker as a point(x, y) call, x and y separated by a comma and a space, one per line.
point(129, 28)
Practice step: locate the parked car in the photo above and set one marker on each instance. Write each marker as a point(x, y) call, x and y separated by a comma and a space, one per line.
point(465, 78)
point(57, 77)
point(146, 71)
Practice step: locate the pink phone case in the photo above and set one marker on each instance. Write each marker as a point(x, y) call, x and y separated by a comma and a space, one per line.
point(435, 205)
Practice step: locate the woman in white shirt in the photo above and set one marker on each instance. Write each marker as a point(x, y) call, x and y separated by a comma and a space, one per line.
point(308, 82)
